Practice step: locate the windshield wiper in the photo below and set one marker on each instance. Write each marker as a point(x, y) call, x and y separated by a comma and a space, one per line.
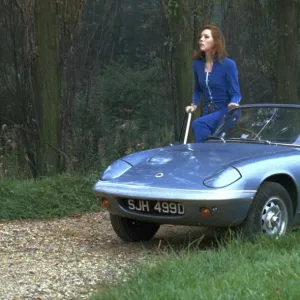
point(217, 138)
point(251, 141)
point(268, 122)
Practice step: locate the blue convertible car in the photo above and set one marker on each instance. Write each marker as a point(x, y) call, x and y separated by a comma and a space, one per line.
point(246, 175)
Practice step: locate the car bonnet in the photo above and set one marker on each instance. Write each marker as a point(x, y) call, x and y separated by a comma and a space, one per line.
point(188, 165)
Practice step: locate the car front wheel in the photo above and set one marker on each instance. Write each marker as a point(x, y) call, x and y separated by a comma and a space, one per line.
point(133, 230)
point(271, 212)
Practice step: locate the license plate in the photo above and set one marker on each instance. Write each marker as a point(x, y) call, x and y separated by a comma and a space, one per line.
point(156, 207)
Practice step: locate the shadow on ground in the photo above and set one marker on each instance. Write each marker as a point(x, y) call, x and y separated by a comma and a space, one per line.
point(178, 238)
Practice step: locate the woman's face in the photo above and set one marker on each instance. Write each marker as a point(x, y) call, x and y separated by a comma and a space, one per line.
point(206, 41)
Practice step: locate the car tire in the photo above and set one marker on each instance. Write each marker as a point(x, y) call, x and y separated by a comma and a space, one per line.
point(131, 230)
point(271, 212)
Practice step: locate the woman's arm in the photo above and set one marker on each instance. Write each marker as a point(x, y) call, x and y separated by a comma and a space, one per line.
point(233, 82)
point(198, 93)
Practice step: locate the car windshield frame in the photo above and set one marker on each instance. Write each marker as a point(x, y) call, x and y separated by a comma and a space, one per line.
point(272, 124)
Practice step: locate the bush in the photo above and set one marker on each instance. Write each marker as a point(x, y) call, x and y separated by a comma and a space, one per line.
point(128, 111)
point(47, 198)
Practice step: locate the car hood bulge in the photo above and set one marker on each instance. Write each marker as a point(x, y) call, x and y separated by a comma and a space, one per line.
point(185, 166)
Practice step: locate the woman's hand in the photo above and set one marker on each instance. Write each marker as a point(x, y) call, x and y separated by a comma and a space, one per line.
point(232, 105)
point(191, 108)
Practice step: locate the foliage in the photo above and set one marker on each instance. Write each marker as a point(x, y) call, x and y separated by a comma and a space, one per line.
point(107, 30)
point(266, 269)
point(122, 72)
point(11, 154)
point(50, 197)
point(128, 111)
point(143, 32)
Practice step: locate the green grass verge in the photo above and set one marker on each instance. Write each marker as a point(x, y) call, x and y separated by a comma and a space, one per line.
point(51, 197)
point(266, 269)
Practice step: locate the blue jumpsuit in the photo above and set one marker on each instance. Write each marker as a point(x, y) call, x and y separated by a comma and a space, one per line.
point(219, 87)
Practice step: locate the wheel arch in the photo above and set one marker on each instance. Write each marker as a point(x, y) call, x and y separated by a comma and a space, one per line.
point(289, 184)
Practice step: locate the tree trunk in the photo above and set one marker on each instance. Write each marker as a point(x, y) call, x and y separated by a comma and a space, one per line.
point(47, 88)
point(287, 60)
point(183, 35)
point(185, 17)
point(180, 44)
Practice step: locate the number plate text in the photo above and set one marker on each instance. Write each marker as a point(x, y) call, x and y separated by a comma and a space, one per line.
point(156, 207)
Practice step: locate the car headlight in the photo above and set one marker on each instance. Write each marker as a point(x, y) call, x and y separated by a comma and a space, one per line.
point(222, 178)
point(115, 170)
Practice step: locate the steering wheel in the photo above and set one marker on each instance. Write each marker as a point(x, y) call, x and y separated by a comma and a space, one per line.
point(244, 130)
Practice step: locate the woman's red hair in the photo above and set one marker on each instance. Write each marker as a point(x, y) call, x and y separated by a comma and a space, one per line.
point(219, 47)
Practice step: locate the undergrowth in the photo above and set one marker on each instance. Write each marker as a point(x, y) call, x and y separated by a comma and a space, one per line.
point(51, 197)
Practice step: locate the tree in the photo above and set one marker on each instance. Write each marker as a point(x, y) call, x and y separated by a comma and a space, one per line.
point(287, 51)
point(47, 87)
point(184, 18)
point(49, 17)
point(273, 36)
point(17, 55)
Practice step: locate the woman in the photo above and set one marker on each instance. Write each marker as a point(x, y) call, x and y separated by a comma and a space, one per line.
point(216, 78)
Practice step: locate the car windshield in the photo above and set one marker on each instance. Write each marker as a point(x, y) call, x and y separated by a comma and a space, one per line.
point(269, 124)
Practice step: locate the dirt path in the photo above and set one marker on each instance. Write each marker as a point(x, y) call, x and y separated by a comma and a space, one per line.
point(70, 257)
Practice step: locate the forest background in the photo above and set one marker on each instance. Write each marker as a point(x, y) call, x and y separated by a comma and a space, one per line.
point(83, 82)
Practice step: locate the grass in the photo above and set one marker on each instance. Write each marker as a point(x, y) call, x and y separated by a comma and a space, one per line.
point(236, 269)
point(51, 197)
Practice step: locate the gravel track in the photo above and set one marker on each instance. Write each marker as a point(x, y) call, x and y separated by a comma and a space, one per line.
point(70, 258)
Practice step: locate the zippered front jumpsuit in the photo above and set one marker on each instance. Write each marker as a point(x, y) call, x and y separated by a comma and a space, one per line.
point(219, 87)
